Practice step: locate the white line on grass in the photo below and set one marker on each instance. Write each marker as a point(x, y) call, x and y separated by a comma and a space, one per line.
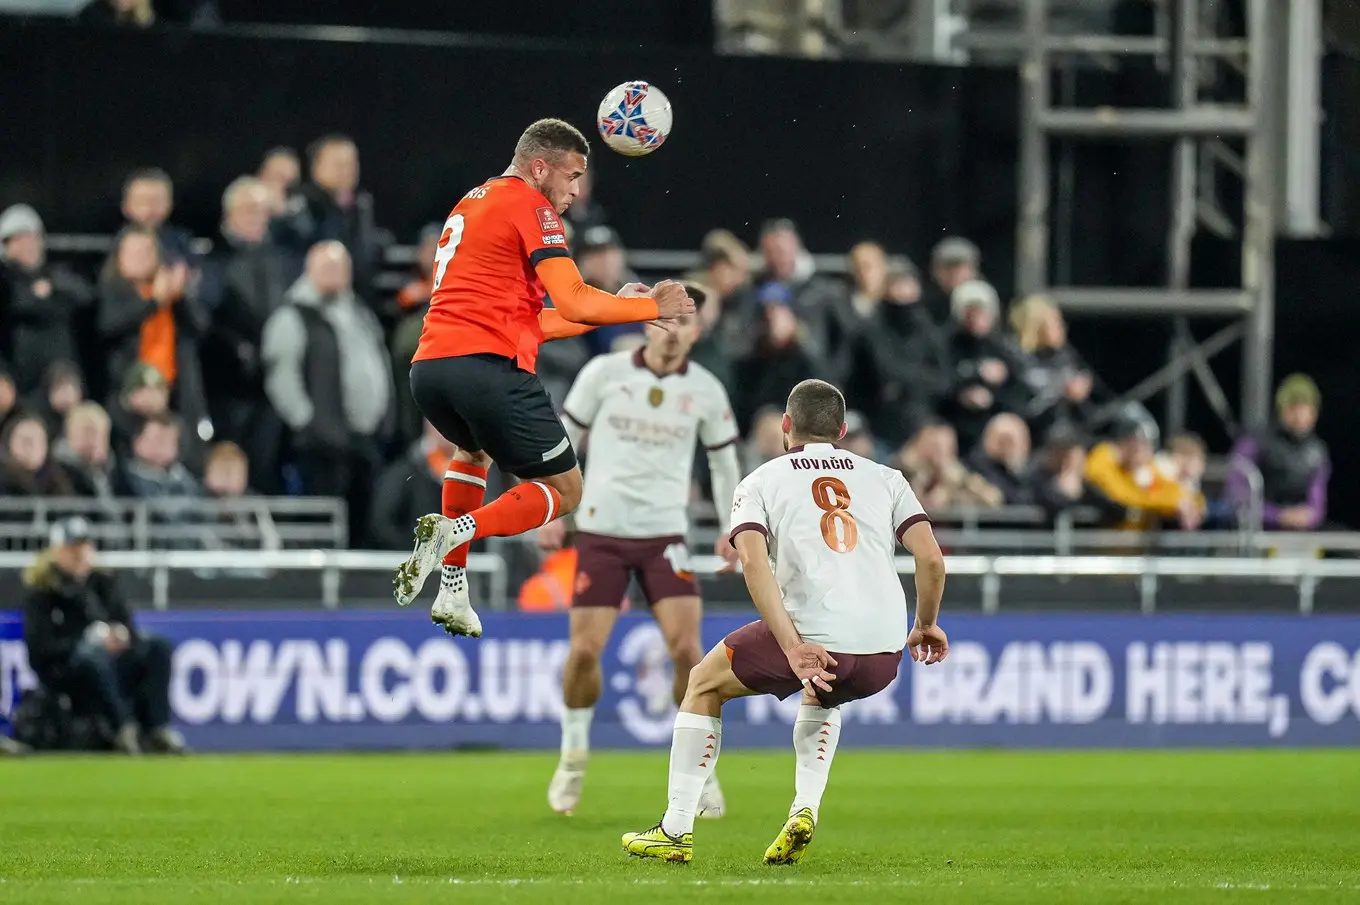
point(674, 880)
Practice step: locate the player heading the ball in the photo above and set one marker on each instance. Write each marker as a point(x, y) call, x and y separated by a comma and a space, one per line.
point(503, 248)
point(816, 531)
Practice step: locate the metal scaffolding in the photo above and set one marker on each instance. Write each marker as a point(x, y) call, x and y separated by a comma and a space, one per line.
point(1195, 125)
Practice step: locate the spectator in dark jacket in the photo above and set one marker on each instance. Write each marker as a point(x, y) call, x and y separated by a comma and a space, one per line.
point(813, 301)
point(331, 206)
point(148, 201)
point(1293, 461)
point(1061, 386)
point(82, 640)
point(62, 389)
point(953, 262)
point(904, 359)
point(154, 470)
point(85, 450)
point(26, 469)
point(728, 312)
point(39, 304)
point(279, 171)
point(1002, 458)
point(249, 275)
point(142, 393)
point(1058, 480)
point(9, 398)
point(149, 312)
point(986, 364)
point(328, 376)
point(409, 488)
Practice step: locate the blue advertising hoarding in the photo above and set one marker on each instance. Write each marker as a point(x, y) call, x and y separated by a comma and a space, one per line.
point(389, 679)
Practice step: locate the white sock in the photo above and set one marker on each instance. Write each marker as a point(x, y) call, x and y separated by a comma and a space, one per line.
point(453, 578)
point(816, 732)
point(464, 524)
point(695, 745)
point(576, 730)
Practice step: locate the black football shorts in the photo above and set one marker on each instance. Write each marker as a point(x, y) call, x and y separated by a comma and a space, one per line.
point(485, 403)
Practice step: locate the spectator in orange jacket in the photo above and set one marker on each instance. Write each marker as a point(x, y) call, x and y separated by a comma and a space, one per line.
point(1124, 472)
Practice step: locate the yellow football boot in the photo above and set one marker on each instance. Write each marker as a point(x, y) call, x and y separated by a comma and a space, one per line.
point(657, 843)
point(793, 839)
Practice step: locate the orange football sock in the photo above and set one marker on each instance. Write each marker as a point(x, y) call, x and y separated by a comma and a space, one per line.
point(519, 509)
point(464, 490)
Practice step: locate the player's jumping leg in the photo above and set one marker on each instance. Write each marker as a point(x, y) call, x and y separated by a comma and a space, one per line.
point(464, 487)
point(528, 505)
point(679, 619)
point(695, 745)
point(582, 683)
point(816, 733)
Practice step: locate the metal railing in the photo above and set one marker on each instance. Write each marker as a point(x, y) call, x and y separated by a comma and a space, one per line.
point(252, 523)
point(1144, 572)
point(330, 565)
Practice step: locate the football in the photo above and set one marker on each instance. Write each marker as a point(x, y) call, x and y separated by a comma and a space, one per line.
point(635, 118)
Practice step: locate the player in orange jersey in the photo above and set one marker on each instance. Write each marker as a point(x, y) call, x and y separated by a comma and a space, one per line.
point(503, 247)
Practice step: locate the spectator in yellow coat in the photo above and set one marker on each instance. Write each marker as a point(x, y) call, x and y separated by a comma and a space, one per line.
point(1124, 472)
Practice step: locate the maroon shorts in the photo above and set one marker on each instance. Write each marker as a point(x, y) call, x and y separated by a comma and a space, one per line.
point(604, 565)
point(759, 663)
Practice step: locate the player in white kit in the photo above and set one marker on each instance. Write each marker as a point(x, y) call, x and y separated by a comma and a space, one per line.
point(643, 412)
point(833, 614)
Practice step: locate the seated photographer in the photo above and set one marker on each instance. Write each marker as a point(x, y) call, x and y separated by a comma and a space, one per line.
point(82, 641)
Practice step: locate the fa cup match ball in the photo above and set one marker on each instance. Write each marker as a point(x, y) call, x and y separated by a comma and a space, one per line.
point(635, 118)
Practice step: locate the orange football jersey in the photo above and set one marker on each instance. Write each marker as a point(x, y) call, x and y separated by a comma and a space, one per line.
point(487, 295)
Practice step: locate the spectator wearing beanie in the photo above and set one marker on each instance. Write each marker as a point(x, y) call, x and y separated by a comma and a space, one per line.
point(39, 303)
point(1294, 461)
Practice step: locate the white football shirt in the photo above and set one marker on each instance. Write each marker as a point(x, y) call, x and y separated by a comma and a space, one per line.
point(640, 449)
point(833, 521)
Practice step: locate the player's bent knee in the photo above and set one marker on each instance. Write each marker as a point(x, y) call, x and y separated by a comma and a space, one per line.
point(583, 657)
point(472, 457)
point(686, 655)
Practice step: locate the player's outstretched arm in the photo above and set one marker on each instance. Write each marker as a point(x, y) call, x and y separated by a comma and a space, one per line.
point(580, 303)
point(927, 641)
point(809, 661)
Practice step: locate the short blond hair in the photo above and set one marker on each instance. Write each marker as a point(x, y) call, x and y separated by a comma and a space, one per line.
point(1027, 319)
point(90, 412)
point(226, 453)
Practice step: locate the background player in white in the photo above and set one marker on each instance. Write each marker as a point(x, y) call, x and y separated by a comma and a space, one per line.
point(833, 614)
point(644, 411)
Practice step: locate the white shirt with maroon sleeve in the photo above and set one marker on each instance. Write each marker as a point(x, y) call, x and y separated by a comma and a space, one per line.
point(833, 521)
point(640, 446)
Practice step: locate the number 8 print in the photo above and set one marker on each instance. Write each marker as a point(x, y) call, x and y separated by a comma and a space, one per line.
point(833, 498)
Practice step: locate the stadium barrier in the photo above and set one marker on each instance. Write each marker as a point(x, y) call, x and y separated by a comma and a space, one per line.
point(1302, 574)
point(388, 679)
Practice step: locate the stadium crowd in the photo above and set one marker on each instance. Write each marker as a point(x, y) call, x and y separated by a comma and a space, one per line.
point(272, 363)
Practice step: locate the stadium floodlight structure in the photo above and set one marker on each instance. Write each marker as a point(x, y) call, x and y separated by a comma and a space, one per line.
point(1275, 53)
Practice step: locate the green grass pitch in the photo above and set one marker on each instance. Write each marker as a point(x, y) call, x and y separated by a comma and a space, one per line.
point(1165, 827)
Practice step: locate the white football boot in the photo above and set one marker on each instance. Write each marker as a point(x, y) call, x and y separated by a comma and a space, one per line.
point(564, 792)
point(435, 537)
point(711, 803)
point(452, 609)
